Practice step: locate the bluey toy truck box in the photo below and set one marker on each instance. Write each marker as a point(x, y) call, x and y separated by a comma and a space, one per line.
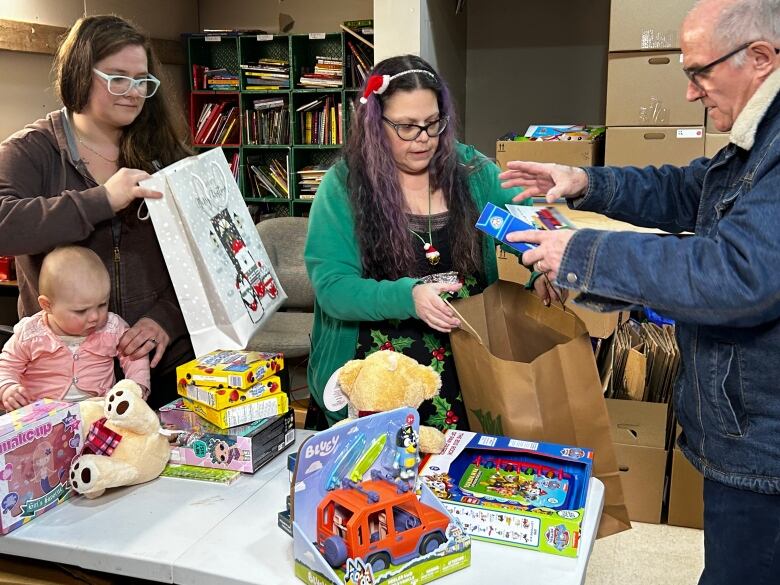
point(37, 444)
point(235, 368)
point(520, 493)
point(242, 448)
point(241, 414)
point(220, 398)
point(357, 517)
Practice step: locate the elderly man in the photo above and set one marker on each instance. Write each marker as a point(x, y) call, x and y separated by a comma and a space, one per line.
point(721, 285)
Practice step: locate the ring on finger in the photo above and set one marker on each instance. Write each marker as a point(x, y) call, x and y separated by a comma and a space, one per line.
point(152, 340)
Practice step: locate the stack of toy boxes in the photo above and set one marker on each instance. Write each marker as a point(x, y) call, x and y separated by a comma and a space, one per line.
point(243, 448)
point(37, 444)
point(521, 493)
point(231, 388)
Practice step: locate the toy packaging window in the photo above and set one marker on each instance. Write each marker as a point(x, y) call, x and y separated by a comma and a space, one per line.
point(519, 493)
point(357, 517)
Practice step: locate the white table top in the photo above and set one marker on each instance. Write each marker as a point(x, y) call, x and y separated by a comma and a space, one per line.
point(199, 533)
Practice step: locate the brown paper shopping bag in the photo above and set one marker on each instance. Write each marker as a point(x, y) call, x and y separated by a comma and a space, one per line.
point(528, 371)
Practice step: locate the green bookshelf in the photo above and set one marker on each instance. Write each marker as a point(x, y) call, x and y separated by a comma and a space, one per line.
point(295, 127)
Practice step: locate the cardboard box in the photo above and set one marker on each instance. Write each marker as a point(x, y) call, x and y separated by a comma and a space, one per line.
point(37, 444)
point(638, 25)
point(648, 89)
point(649, 145)
point(581, 153)
point(241, 414)
point(519, 493)
point(219, 398)
point(356, 517)
point(686, 493)
point(243, 448)
point(639, 435)
point(598, 324)
point(230, 368)
point(714, 142)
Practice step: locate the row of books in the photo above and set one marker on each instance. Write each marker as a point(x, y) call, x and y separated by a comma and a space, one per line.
point(309, 179)
point(267, 122)
point(327, 73)
point(266, 74)
point(214, 79)
point(321, 121)
point(217, 124)
point(270, 179)
point(357, 63)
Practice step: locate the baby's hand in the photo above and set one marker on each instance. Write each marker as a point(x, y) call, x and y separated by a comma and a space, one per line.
point(13, 397)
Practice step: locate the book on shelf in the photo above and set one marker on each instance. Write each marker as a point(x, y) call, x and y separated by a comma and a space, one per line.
point(217, 124)
point(318, 121)
point(358, 63)
point(267, 122)
point(270, 179)
point(273, 73)
point(327, 72)
point(234, 165)
point(309, 179)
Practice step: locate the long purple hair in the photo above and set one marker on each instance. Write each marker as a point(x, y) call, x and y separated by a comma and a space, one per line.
point(378, 204)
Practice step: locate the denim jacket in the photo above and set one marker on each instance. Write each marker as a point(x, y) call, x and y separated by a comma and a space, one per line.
point(722, 286)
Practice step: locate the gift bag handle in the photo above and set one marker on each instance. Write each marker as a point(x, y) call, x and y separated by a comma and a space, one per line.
point(463, 322)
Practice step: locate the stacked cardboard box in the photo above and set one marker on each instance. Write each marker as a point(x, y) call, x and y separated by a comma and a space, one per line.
point(230, 388)
point(648, 118)
point(233, 414)
point(243, 448)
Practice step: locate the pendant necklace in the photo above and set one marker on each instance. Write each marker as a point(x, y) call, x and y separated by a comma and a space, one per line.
point(431, 253)
point(92, 150)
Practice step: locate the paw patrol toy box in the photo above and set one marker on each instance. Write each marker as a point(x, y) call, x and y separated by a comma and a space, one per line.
point(37, 444)
point(357, 517)
point(242, 448)
point(235, 368)
point(521, 493)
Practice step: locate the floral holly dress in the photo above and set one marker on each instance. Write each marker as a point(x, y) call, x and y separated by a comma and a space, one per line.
point(415, 339)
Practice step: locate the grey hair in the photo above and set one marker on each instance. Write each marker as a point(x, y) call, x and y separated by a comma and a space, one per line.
point(744, 21)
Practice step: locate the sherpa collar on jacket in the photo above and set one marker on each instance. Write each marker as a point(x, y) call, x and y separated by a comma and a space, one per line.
point(743, 132)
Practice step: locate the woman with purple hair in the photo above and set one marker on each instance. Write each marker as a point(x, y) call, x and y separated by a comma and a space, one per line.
point(392, 229)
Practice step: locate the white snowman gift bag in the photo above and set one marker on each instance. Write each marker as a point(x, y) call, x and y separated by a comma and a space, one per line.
point(220, 270)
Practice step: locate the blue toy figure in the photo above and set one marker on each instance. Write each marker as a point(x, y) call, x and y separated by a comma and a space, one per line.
point(406, 455)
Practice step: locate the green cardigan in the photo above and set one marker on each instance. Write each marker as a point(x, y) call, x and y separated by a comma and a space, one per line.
point(343, 297)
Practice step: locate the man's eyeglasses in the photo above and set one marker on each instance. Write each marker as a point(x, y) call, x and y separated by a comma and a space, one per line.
point(409, 132)
point(694, 72)
point(123, 85)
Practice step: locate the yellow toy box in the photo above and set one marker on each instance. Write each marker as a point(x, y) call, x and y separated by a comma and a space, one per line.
point(239, 369)
point(219, 398)
point(240, 414)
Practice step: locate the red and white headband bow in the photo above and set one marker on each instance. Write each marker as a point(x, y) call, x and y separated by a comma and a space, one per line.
point(378, 83)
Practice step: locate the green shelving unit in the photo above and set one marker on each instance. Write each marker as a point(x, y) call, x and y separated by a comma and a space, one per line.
point(229, 51)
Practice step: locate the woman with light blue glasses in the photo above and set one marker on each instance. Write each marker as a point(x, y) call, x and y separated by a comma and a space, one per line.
point(72, 178)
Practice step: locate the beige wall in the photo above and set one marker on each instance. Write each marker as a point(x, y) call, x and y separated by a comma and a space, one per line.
point(27, 93)
point(301, 16)
point(534, 62)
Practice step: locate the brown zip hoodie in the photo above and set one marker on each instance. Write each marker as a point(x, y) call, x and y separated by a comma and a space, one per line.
point(48, 199)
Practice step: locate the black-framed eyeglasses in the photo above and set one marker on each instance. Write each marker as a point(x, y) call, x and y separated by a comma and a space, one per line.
point(122, 85)
point(409, 132)
point(695, 72)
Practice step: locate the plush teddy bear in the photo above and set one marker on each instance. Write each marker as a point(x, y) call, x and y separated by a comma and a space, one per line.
point(123, 442)
point(383, 381)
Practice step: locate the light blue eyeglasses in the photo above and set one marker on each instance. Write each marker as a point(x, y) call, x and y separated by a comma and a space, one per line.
point(123, 85)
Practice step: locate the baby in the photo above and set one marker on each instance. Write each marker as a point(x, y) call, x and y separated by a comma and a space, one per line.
point(66, 351)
